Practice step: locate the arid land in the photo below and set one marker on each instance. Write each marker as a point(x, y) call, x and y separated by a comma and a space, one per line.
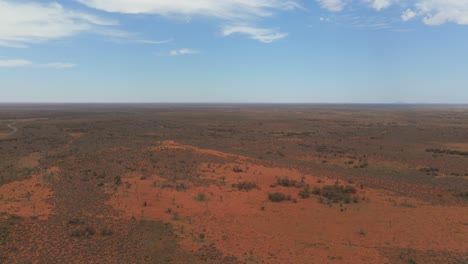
point(172, 183)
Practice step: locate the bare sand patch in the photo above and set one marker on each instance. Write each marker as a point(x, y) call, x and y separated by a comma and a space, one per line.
point(26, 198)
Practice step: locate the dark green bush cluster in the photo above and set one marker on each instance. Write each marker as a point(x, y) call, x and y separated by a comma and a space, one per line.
point(339, 193)
point(278, 197)
point(245, 186)
point(286, 182)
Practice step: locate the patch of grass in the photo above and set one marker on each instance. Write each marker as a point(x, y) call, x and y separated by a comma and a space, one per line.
point(245, 186)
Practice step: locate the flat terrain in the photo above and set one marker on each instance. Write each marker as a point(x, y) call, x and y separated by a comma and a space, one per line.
point(233, 184)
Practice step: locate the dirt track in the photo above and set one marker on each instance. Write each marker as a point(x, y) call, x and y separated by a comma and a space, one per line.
point(14, 130)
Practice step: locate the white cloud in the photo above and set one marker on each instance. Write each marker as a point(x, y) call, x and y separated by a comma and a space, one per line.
point(15, 63)
point(184, 51)
point(432, 12)
point(332, 5)
point(27, 63)
point(264, 35)
point(437, 12)
point(380, 4)
point(23, 23)
point(407, 15)
point(225, 9)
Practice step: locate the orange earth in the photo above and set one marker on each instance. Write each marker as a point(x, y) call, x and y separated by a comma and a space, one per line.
point(250, 227)
point(27, 198)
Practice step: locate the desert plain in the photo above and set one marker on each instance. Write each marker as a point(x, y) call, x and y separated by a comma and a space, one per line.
point(239, 183)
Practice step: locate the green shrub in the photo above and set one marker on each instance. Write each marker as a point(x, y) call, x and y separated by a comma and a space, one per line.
point(201, 197)
point(338, 193)
point(278, 197)
point(286, 182)
point(245, 186)
point(304, 193)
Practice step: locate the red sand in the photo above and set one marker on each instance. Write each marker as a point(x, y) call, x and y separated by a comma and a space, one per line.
point(302, 232)
point(26, 198)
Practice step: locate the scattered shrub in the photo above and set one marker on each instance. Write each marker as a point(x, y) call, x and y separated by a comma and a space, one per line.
point(106, 232)
point(180, 187)
point(316, 191)
point(305, 192)
point(278, 197)
point(118, 180)
point(237, 170)
point(286, 182)
point(201, 197)
point(362, 232)
point(409, 205)
point(75, 221)
point(245, 186)
point(87, 232)
point(337, 193)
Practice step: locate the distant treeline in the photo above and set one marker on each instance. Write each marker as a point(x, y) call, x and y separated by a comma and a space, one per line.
point(448, 151)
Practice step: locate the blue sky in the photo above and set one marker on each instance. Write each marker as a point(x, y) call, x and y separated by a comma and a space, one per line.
point(315, 51)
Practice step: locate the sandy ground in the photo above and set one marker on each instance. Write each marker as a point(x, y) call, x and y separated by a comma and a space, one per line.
point(248, 226)
point(26, 198)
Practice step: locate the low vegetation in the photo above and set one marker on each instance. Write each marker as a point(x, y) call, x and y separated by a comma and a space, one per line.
point(245, 186)
point(337, 193)
point(278, 197)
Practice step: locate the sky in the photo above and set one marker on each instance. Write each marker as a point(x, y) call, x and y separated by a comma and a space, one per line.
point(232, 51)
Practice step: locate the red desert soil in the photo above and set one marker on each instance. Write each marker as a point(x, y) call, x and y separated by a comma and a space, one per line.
point(26, 198)
point(248, 226)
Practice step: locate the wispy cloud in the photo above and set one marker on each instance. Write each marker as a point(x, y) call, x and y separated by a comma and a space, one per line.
point(360, 22)
point(264, 35)
point(23, 23)
point(154, 42)
point(332, 5)
point(184, 51)
point(235, 11)
point(226, 9)
point(15, 63)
